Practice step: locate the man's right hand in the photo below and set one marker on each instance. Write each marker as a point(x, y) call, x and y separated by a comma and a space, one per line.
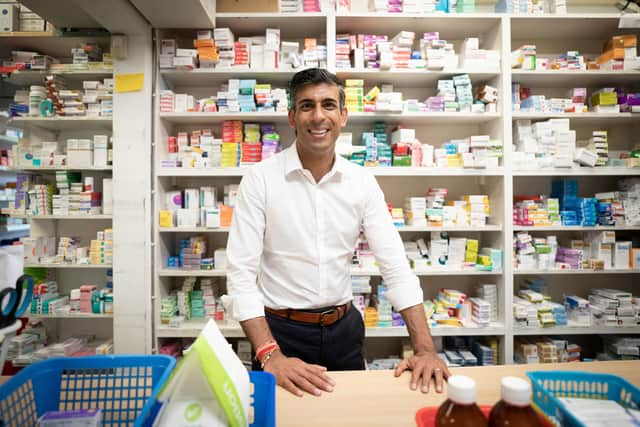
point(298, 377)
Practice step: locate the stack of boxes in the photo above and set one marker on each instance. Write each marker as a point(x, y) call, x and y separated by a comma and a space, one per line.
point(206, 47)
point(101, 249)
point(354, 91)
point(224, 42)
point(620, 53)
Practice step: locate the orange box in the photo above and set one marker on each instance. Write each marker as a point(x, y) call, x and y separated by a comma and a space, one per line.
point(615, 53)
point(226, 213)
point(627, 40)
point(204, 43)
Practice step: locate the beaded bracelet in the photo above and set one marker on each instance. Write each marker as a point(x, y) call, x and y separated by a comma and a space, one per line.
point(265, 348)
point(267, 357)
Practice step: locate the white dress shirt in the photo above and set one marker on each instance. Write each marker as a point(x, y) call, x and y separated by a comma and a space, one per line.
point(291, 241)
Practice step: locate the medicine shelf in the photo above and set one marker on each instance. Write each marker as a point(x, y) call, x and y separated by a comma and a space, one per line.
point(167, 272)
point(428, 171)
point(189, 118)
point(187, 172)
point(502, 32)
point(422, 118)
point(567, 78)
point(570, 26)
point(11, 228)
point(437, 331)
point(450, 26)
point(584, 118)
point(62, 168)
point(71, 266)
point(64, 217)
point(572, 272)
point(413, 78)
point(377, 171)
point(376, 272)
point(61, 123)
point(578, 228)
point(411, 228)
point(192, 328)
point(292, 25)
point(577, 330)
point(405, 229)
point(47, 43)
point(408, 118)
point(193, 230)
point(218, 76)
point(35, 77)
point(7, 140)
point(175, 272)
point(70, 316)
point(232, 329)
point(579, 171)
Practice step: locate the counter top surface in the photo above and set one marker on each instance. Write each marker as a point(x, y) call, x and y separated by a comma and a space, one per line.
point(377, 398)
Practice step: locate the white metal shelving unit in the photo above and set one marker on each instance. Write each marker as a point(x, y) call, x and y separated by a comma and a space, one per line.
point(496, 31)
point(36, 129)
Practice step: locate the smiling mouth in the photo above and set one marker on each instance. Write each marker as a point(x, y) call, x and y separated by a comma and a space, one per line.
point(319, 133)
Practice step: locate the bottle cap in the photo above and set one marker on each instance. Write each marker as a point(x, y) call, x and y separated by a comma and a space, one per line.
point(461, 389)
point(515, 391)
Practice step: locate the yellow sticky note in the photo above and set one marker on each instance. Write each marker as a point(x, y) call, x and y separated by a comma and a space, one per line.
point(129, 82)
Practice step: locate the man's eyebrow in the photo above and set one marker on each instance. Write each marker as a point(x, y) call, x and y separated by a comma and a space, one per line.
point(328, 99)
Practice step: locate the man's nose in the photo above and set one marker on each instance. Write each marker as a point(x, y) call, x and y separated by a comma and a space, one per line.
point(317, 113)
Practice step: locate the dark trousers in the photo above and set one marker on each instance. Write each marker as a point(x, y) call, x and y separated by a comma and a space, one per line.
point(338, 347)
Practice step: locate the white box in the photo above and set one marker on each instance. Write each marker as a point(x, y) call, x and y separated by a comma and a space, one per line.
point(622, 255)
point(168, 47)
point(107, 196)
point(9, 18)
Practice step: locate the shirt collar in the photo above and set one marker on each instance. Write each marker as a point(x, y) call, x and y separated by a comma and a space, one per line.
point(293, 163)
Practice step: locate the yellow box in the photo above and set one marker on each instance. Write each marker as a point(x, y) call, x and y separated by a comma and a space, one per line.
point(166, 219)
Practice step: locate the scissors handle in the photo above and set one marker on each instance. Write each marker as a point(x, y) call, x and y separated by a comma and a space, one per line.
point(17, 305)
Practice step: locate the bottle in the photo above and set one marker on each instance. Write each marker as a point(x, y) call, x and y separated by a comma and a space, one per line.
point(514, 408)
point(460, 409)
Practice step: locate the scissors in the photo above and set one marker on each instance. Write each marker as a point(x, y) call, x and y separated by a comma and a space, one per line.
point(19, 300)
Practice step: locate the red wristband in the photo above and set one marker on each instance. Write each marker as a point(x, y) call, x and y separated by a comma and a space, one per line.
point(265, 349)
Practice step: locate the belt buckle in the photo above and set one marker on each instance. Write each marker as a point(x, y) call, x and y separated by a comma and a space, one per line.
point(326, 313)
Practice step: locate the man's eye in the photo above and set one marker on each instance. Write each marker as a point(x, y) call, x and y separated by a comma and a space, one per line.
point(306, 106)
point(330, 106)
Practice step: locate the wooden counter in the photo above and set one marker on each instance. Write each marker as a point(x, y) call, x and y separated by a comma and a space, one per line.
point(376, 398)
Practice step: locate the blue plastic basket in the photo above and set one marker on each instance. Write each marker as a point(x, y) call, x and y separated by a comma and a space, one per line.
point(547, 385)
point(263, 399)
point(123, 387)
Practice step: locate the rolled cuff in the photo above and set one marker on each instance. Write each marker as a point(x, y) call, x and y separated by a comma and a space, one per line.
point(405, 295)
point(244, 307)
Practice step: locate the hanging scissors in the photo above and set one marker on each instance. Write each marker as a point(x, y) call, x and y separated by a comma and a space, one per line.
point(19, 300)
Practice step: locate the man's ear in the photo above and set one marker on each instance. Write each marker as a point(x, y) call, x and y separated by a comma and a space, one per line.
point(292, 121)
point(343, 117)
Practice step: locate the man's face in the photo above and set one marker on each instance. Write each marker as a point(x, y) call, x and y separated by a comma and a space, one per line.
point(317, 118)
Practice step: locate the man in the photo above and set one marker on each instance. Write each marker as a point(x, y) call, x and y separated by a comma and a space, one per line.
point(297, 219)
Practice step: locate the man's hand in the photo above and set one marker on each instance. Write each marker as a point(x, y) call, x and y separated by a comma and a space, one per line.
point(423, 366)
point(297, 377)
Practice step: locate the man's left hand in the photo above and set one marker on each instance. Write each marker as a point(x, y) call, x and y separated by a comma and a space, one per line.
point(423, 366)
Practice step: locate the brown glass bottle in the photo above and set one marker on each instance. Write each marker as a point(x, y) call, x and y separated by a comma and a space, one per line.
point(514, 409)
point(460, 409)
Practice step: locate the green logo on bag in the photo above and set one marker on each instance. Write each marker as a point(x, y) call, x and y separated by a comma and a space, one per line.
point(193, 412)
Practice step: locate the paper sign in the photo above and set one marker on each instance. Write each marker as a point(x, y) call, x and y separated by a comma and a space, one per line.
point(129, 82)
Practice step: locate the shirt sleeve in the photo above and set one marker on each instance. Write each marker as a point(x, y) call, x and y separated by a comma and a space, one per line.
point(244, 249)
point(384, 240)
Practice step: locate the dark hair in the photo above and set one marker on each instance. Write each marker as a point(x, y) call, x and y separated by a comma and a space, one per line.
point(315, 76)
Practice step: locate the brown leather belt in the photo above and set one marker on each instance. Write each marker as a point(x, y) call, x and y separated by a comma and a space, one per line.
point(324, 318)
